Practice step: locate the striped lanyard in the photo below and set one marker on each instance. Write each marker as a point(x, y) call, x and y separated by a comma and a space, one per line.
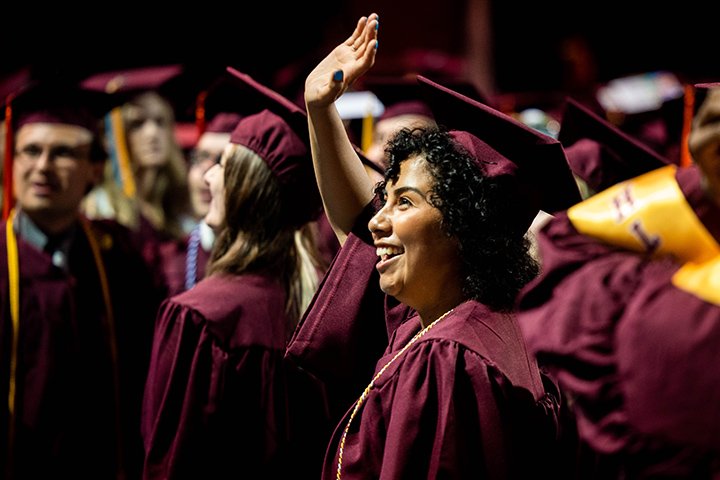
point(191, 259)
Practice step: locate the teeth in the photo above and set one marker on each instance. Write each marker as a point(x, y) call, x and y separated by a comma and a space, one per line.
point(385, 252)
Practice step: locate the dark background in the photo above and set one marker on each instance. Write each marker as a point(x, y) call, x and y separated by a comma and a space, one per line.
point(279, 42)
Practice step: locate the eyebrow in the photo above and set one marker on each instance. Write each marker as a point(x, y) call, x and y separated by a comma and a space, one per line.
point(401, 190)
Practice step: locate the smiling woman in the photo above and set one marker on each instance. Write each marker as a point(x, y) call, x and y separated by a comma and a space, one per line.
point(413, 249)
point(455, 393)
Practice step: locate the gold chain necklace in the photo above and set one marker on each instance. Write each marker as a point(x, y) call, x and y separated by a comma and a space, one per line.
point(360, 401)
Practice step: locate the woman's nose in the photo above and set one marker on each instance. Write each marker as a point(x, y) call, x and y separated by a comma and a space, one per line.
point(379, 222)
point(208, 174)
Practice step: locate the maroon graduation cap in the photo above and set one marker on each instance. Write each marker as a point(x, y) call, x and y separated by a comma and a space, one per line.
point(278, 133)
point(599, 152)
point(48, 100)
point(530, 163)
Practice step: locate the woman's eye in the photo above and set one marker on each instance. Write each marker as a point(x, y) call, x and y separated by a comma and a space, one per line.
point(136, 124)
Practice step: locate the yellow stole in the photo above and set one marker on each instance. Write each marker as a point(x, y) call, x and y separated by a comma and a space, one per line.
point(649, 214)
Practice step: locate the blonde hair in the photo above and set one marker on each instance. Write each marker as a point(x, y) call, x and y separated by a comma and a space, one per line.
point(167, 202)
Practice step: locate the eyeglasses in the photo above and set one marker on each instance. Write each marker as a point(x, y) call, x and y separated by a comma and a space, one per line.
point(61, 156)
point(198, 157)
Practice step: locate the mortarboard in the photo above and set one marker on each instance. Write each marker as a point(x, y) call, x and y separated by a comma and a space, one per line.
point(532, 164)
point(223, 122)
point(171, 82)
point(177, 84)
point(222, 103)
point(399, 96)
point(132, 80)
point(278, 133)
point(57, 102)
point(15, 81)
point(49, 100)
point(599, 152)
point(261, 97)
point(650, 107)
point(166, 80)
point(402, 95)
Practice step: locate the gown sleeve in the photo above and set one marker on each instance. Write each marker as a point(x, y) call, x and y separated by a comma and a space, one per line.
point(343, 331)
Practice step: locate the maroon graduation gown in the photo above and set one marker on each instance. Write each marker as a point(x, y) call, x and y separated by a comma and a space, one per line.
point(75, 423)
point(347, 326)
point(46, 381)
point(635, 353)
point(464, 402)
point(215, 403)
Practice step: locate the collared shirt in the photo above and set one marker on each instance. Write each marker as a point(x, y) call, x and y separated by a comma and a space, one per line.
point(57, 246)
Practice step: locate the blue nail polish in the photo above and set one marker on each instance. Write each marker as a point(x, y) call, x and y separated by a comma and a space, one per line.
point(376, 44)
point(377, 25)
point(338, 76)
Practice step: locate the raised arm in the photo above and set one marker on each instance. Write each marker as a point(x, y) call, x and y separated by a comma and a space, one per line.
point(344, 185)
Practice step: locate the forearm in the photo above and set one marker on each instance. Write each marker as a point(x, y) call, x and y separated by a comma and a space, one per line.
point(344, 185)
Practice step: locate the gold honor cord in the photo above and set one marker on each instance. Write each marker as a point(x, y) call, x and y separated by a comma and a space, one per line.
point(649, 214)
point(14, 279)
point(361, 401)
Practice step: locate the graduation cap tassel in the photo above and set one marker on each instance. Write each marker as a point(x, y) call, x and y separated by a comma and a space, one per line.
point(688, 110)
point(14, 291)
point(367, 131)
point(200, 112)
point(119, 157)
point(8, 161)
point(111, 150)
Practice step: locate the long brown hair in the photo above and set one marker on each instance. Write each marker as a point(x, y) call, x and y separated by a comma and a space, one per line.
point(254, 238)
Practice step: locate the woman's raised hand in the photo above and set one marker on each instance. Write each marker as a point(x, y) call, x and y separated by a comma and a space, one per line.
point(348, 61)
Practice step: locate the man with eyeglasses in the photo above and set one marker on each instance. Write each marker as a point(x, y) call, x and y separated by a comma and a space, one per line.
point(79, 305)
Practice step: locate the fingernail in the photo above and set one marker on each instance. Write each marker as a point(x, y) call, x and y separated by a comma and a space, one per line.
point(377, 25)
point(338, 76)
point(376, 44)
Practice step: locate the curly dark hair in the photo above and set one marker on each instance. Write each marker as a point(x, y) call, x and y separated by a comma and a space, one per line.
point(475, 209)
